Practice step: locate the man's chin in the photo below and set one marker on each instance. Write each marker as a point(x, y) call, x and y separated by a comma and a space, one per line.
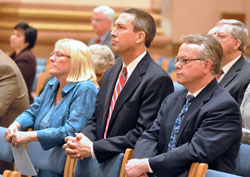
point(114, 49)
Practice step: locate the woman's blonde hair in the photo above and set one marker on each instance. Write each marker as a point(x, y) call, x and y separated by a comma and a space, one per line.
point(81, 67)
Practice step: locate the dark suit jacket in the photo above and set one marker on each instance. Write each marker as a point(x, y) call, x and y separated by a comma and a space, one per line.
point(237, 79)
point(134, 111)
point(210, 132)
point(26, 61)
point(14, 97)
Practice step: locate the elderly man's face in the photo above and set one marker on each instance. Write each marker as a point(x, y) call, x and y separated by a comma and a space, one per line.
point(100, 23)
point(224, 36)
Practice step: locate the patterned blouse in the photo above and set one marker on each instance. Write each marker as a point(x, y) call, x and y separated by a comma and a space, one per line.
point(69, 115)
point(245, 108)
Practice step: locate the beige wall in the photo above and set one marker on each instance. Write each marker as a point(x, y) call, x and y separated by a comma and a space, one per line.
point(178, 17)
point(145, 4)
point(198, 16)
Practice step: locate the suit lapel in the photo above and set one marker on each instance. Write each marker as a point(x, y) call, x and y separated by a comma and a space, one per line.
point(110, 89)
point(175, 111)
point(232, 73)
point(130, 86)
point(197, 102)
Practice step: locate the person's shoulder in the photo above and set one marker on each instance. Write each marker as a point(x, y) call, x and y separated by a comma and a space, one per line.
point(87, 85)
point(223, 97)
point(153, 66)
point(154, 70)
point(5, 69)
point(176, 94)
point(92, 41)
point(26, 54)
point(246, 68)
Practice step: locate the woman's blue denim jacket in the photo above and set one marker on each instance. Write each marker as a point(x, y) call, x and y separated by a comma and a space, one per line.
point(70, 115)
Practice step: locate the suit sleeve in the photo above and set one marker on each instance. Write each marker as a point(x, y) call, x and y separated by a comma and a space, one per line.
point(146, 145)
point(220, 127)
point(153, 94)
point(8, 88)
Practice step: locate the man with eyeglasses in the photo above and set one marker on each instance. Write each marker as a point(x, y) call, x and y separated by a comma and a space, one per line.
point(201, 123)
point(102, 22)
point(235, 70)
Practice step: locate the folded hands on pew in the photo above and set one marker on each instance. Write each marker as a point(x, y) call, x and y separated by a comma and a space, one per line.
point(16, 137)
point(78, 146)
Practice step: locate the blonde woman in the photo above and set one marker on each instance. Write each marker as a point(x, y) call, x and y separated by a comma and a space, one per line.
point(66, 103)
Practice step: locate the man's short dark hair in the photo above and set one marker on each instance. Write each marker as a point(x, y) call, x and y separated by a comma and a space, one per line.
point(143, 22)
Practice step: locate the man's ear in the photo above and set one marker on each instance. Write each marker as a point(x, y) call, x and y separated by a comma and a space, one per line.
point(207, 65)
point(237, 44)
point(140, 37)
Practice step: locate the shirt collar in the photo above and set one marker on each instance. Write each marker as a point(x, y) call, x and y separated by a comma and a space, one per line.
point(195, 93)
point(131, 66)
point(54, 83)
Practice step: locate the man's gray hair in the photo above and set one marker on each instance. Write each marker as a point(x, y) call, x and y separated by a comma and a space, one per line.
point(210, 48)
point(239, 31)
point(108, 12)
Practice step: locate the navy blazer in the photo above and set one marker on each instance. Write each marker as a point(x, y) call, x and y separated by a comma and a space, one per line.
point(210, 132)
point(237, 79)
point(134, 111)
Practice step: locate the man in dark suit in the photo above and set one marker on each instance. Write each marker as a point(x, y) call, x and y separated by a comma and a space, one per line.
point(137, 105)
point(14, 98)
point(207, 129)
point(235, 73)
point(102, 21)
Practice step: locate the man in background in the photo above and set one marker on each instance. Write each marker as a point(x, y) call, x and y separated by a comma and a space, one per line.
point(235, 73)
point(102, 22)
point(14, 97)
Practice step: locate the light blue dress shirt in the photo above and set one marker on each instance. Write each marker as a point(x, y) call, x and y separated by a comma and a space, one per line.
point(69, 115)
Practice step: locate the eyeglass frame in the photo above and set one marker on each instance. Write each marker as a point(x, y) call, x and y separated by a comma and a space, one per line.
point(55, 54)
point(222, 36)
point(183, 61)
point(98, 19)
